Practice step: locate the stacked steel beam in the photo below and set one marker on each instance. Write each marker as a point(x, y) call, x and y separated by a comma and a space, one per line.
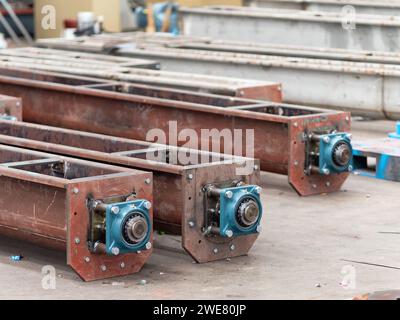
point(365, 82)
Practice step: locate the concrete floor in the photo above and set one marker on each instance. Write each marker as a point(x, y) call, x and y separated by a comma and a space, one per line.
point(299, 255)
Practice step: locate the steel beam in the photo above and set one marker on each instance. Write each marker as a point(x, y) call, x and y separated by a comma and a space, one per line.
point(179, 197)
point(281, 132)
point(51, 60)
point(366, 89)
point(10, 107)
point(145, 40)
point(45, 198)
point(385, 7)
point(279, 26)
point(69, 59)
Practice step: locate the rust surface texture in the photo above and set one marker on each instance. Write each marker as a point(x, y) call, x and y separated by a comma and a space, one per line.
point(130, 111)
point(136, 71)
point(10, 106)
point(178, 188)
point(46, 206)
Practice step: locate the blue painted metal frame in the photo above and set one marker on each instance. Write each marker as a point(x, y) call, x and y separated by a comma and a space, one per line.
point(386, 153)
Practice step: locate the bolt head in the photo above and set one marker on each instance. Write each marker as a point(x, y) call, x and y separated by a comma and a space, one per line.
point(75, 190)
point(259, 229)
point(149, 245)
point(103, 268)
point(115, 210)
point(229, 194)
point(122, 265)
point(328, 184)
point(326, 172)
point(147, 181)
point(256, 167)
point(87, 259)
point(229, 233)
point(326, 139)
point(190, 176)
point(115, 251)
point(77, 240)
point(232, 247)
point(258, 190)
point(350, 168)
point(215, 250)
point(147, 205)
point(191, 224)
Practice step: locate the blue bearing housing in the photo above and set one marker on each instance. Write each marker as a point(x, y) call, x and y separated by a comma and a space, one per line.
point(240, 211)
point(128, 227)
point(335, 153)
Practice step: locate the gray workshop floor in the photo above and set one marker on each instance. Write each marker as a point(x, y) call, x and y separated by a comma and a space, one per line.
point(300, 254)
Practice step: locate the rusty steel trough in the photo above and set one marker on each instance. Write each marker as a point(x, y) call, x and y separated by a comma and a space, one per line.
point(45, 198)
point(178, 188)
point(281, 132)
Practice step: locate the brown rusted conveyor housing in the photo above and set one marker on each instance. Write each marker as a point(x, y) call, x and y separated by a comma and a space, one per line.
point(282, 132)
point(180, 199)
point(44, 199)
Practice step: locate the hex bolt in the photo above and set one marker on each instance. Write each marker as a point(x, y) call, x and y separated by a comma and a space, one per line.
point(296, 163)
point(229, 233)
point(87, 259)
point(256, 167)
point(348, 119)
point(350, 168)
point(229, 194)
point(122, 265)
point(191, 224)
point(326, 172)
point(103, 268)
point(77, 240)
point(314, 186)
point(295, 124)
point(75, 190)
point(147, 205)
point(259, 229)
point(258, 190)
point(326, 139)
point(232, 247)
point(215, 250)
point(328, 184)
point(147, 181)
point(115, 251)
point(149, 245)
point(190, 176)
point(115, 210)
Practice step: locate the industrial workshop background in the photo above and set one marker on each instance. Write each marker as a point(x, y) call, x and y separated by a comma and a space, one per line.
point(204, 149)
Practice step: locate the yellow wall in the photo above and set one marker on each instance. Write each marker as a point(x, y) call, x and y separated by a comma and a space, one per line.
point(68, 9)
